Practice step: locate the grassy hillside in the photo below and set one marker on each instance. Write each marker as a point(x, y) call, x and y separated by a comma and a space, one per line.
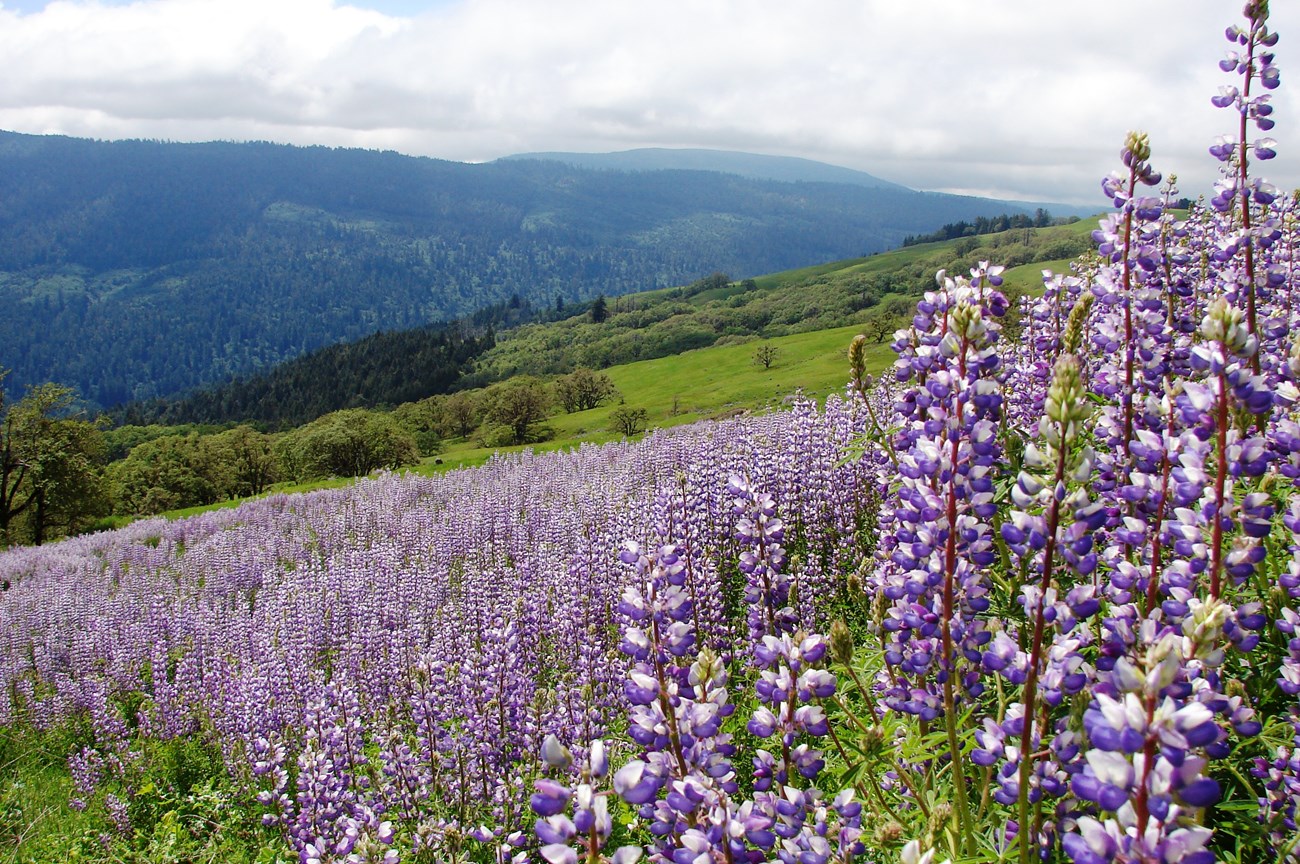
point(720, 381)
point(697, 385)
point(722, 377)
point(842, 293)
point(713, 382)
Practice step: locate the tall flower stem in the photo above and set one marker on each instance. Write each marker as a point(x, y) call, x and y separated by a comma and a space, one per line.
point(1064, 412)
point(1220, 484)
point(949, 604)
point(1243, 179)
point(1157, 546)
point(1130, 347)
point(1035, 656)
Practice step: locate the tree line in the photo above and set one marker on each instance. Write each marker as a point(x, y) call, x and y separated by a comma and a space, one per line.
point(988, 225)
point(63, 472)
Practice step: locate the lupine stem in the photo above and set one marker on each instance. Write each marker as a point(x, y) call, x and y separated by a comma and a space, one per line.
point(1243, 177)
point(1141, 808)
point(1129, 345)
point(1220, 483)
point(1035, 654)
point(872, 789)
point(1153, 577)
point(665, 706)
point(949, 603)
point(866, 692)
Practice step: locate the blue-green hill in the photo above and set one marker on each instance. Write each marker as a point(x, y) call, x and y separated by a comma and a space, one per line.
point(139, 269)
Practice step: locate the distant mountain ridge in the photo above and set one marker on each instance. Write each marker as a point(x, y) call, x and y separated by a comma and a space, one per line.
point(785, 169)
point(143, 269)
point(755, 166)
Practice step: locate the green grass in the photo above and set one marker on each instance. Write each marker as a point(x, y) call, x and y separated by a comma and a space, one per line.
point(722, 380)
point(36, 823)
point(709, 383)
point(183, 807)
point(835, 294)
point(1029, 277)
point(706, 383)
point(696, 385)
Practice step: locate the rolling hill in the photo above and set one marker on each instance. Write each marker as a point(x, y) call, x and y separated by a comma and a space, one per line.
point(139, 269)
point(406, 365)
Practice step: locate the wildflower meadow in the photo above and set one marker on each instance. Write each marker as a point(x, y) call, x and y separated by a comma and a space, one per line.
point(1032, 593)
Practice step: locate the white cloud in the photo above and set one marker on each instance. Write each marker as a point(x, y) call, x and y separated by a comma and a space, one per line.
point(1020, 98)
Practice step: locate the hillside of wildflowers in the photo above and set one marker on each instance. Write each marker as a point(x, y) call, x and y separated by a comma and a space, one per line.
point(1018, 600)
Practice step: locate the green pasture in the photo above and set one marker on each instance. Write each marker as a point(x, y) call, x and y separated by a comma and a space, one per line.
point(713, 382)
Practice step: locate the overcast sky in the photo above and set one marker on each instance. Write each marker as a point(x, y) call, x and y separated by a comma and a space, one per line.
point(1025, 99)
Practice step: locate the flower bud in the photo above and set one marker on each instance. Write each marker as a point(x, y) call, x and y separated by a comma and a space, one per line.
point(1137, 147)
point(857, 357)
point(841, 643)
point(1073, 338)
point(598, 759)
point(1067, 403)
point(940, 816)
point(1225, 323)
point(888, 833)
point(872, 740)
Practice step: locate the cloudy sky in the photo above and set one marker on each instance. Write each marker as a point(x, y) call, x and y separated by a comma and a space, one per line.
point(1025, 99)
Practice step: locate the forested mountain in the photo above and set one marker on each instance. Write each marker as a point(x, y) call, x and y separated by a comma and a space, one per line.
point(138, 269)
point(753, 165)
point(383, 369)
point(517, 338)
point(787, 169)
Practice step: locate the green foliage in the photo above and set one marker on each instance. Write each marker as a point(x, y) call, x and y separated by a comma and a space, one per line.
point(884, 319)
point(182, 808)
point(120, 440)
point(461, 414)
point(246, 460)
point(424, 420)
point(349, 443)
point(989, 225)
point(167, 473)
point(628, 421)
point(674, 389)
point(36, 824)
point(383, 369)
point(766, 354)
point(518, 406)
point(583, 390)
point(876, 292)
point(49, 457)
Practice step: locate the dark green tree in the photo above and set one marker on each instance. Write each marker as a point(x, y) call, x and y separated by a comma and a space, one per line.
point(627, 421)
point(246, 460)
point(423, 419)
point(519, 405)
point(351, 443)
point(599, 310)
point(168, 473)
point(49, 466)
point(885, 318)
point(461, 414)
point(584, 389)
point(765, 355)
